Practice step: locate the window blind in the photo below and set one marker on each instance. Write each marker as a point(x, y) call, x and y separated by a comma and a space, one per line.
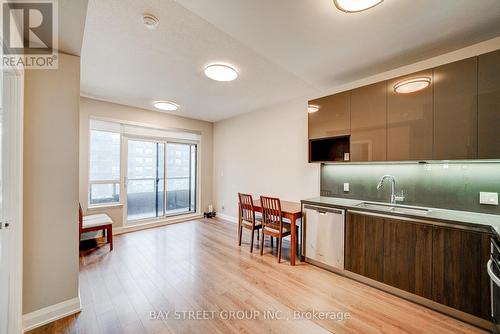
point(143, 131)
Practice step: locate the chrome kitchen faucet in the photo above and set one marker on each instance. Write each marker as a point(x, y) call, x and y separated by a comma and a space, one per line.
point(394, 198)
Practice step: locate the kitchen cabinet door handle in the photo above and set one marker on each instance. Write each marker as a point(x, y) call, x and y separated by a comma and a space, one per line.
point(489, 268)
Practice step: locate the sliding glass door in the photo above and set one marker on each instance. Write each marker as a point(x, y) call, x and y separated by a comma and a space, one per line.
point(145, 179)
point(181, 177)
point(149, 193)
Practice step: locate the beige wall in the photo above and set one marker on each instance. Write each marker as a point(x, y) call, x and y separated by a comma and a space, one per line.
point(263, 152)
point(90, 107)
point(51, 184)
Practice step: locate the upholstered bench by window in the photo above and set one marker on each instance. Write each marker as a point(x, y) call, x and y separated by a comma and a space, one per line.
point(96, 223)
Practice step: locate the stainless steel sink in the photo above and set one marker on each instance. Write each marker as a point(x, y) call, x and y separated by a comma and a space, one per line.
point(393, 208)
point(375, 206)
point(410, 210)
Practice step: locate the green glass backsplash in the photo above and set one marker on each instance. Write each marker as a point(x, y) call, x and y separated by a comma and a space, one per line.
point(453, 186)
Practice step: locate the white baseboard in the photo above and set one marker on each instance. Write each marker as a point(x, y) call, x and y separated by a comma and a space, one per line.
point(51, 313)
point(227, 217)
point(156, 223)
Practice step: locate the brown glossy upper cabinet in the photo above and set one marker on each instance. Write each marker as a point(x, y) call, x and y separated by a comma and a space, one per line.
point(333, 117)
point(454, 115)
point(489, 106)
point(409, 120)
point(455, 110)
point(369, 123)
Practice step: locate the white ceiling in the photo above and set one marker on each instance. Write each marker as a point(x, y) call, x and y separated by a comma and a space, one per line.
point(71, 25)
point(283, 49)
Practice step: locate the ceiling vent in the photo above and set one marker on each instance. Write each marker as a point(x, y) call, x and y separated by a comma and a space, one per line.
point(150, 21)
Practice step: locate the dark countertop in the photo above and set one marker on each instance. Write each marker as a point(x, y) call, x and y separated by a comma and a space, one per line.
point(473, 220)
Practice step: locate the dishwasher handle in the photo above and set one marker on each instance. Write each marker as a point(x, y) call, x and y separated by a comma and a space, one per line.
point(324, 211)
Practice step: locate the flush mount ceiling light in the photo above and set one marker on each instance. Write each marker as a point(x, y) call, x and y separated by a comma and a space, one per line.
point(353, 6)
point(150, 21)
point(312, 108)
point(165, 105)
point(412, 85)
point(220, 72)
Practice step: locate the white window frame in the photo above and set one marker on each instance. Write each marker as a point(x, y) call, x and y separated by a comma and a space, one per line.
point(123, 167)
point(112, 181)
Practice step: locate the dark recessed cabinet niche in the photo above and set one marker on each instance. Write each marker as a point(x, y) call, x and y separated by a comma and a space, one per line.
point(329, 149)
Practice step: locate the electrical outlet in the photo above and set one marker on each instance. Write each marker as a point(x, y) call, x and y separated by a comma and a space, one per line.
point(488, 198)
point(346, 187)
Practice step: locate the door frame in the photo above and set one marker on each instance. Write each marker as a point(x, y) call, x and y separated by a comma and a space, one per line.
point(124, 177)
point(14, 81)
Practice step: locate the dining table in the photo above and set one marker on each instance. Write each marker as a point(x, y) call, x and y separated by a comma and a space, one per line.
point(293, 212)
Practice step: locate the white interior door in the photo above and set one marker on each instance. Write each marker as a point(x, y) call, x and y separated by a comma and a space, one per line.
point(4, 236)
point(11, 106)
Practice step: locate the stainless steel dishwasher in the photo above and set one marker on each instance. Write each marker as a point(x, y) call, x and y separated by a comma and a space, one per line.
point(324, 237)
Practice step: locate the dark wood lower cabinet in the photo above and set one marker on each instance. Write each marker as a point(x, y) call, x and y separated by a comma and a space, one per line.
point(408, 256)
point(444, 264)
point(364, 244)
point(460, 279)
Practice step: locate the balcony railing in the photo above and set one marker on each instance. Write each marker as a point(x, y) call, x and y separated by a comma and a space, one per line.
point(145, 197)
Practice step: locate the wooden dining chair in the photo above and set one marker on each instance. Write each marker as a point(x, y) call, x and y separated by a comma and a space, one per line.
point(272, 223)
point(247, 218)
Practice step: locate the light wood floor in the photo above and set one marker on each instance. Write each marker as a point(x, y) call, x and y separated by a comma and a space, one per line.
point(198, 266)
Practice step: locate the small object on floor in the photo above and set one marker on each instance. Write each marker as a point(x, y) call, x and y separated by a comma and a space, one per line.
point(209, 214)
